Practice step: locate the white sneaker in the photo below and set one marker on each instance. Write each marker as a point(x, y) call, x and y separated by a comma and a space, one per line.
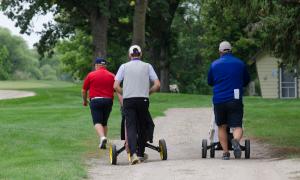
point(103, 141)
point(134, 159)
point(142, 159)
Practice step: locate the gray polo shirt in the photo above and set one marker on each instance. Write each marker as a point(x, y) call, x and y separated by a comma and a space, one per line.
point(136, 76)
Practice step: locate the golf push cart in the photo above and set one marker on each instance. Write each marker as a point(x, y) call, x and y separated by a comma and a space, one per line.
point(161, 148)
point(215, 145)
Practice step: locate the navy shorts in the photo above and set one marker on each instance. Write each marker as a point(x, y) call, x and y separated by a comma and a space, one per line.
point(230, 113)
point(100, 110)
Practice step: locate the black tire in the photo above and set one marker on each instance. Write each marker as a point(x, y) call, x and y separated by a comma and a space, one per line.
point(204, 148)
point(113, 154)
point(163, 149)
point(212, 151)
point(247, 149)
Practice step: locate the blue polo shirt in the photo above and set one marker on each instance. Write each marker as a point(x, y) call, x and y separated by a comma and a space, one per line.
point(228, 75)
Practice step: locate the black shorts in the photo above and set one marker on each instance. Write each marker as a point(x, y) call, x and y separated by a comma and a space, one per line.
point(230, 113)
point(100, 110)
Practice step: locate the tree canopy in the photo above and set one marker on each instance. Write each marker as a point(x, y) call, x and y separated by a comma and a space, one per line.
point(17, 61)
point(181, 37)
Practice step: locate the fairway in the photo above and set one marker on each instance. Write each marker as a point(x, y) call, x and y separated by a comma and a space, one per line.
point(51, 134)
point(33, 84)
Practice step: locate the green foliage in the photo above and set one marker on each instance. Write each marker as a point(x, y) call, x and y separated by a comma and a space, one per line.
point(48, 72)
point(69, 16)
point(235, 21)
point(16, 58)
point(188, 68)
point(253, 26)
point(17, 61)
point(227, 20)
point(76, 54)
point(4, 64)
point(282, 32)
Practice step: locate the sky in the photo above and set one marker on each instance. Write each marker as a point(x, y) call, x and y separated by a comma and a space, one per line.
point(37, 23)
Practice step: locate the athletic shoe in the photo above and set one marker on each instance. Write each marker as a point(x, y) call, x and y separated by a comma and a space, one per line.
point(142, 159)
point(134, 159)
point(103, 141)
point(236, 149)
point(226, 156)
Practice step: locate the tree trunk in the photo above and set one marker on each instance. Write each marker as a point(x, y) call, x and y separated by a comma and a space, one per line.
point(164, 70)
point(99, 26)
point(154, 56)
point(139, 21)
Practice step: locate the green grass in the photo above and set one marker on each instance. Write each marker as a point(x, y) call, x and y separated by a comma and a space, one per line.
point(44, 136)
point(33, 84)
point(276, 121)
point(49, 136)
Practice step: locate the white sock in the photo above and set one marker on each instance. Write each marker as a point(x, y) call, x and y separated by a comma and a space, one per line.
point(102, 138)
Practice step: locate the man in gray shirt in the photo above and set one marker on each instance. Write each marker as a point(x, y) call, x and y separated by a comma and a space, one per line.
point(136, 76)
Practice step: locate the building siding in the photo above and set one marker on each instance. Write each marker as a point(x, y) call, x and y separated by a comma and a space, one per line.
point(268, 75)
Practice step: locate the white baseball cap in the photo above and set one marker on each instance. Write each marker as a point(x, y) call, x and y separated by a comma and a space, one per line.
point(134, 49)
point(224, 46)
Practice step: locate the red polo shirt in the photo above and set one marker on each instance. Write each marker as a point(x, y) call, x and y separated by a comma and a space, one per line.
point(100, 83)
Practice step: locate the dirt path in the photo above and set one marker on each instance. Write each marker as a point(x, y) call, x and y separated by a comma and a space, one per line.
point(183, 130)
point(12, 94)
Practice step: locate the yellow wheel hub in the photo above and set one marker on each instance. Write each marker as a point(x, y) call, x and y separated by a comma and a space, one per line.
point(161, 153)
point(110, 154)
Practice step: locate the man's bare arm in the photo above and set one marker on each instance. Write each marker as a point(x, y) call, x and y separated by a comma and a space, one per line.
point(84, 97)
point(120, 97)
point(155, 87)
point(117, 87)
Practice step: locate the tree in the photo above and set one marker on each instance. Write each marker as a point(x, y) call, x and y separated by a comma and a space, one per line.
point(17, 61)
point(74, 53)
point(229, 20)
point(281, 29)
point(188, 68)
point(159, 20)
point(254, 26)
point(139, 21)
point(4, 63)
point(92, 16)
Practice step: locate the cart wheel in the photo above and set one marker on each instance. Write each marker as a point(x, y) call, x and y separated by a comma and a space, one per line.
point(113, 154)
point(163, 149)
point(247, 149)
point(204, 148)
point(212, 150)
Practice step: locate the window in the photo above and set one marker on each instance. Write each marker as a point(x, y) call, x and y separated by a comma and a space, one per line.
point(288, 83)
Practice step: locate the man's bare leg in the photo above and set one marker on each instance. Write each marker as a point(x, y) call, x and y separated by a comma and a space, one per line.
point(100, 130)
point(105, 130)
point(222, 132)
point(238, 133)
point(237, 136)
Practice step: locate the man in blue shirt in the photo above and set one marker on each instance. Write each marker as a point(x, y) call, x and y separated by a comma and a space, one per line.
point(228, 75)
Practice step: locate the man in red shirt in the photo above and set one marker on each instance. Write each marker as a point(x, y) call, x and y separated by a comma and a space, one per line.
point(99, 84)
